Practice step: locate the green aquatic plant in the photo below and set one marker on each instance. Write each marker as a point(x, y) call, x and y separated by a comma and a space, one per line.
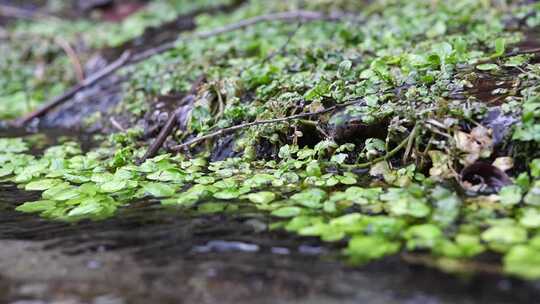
point(400, 171)
point(373, 220)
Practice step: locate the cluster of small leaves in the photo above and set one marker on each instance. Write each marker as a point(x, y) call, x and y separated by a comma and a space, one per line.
point(305, 192)
point(35, 67)
point(29, 76)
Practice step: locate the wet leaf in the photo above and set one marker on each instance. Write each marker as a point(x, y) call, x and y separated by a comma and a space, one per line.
point(42, 185)
point(211, 207)
point(113, 186)
point(501, 237)
point(530, 218)
point(400, 202)
point(38, 206)
point(487, 67)
point(170, 175)
point(313, 169)
point(311, 198)
point(523, 261)
point(87, 208)
point(299, 222)
point(263, 197)
point(535, 167)
point(533, 196)
point(447, 206)
point(6, 170)
point(287, 212)
point(423, 236)
point(510, 195)
point(500, 48)
point(12, 145)
point(366, 248)
point(159, 189)
point(227, 194)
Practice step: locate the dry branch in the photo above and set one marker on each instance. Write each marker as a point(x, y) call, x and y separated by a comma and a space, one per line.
point(172, 122)
point(262, 122)
point(523, 52)
point(73, 57)
point(126, 58)
point(91, 80)
point(507, 55)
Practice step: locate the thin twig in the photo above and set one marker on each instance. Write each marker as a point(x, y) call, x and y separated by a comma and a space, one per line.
point(284, 46)
point(299, 15)
point(410, 144)
point(507, 55)
point(73, 57)
point(262, 122)
point(172, 122)
point(75, 89)
point(116, 124)
point(388, 155)
point(315, 125)
point(522, 52)
point(436, 123)
point(437, 131)
point(162, 136)
point(127, 58)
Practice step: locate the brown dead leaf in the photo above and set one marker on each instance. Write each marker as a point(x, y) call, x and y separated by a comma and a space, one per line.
point(504, 163)
point(441, 168)
point(475, 145)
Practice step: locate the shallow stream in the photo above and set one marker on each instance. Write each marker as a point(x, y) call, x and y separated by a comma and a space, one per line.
point(151, 254)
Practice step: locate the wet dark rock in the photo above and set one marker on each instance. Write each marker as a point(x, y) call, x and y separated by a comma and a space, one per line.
point(99, 99)
point(224, 147)
point(354, 130)
point(499, 123)
point(492, 89)
point(484, 178)
point(264, 149)
point(86, 5)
